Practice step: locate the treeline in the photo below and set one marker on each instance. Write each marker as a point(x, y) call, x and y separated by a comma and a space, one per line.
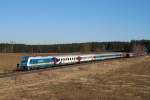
point(131, 46)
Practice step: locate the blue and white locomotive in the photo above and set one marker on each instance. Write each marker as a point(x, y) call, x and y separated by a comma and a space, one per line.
point(29, 62)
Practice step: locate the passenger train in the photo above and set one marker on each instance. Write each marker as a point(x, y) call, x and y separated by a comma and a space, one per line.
point(29, 62)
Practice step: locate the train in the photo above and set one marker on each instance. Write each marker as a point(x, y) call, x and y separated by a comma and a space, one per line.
point(30, 62)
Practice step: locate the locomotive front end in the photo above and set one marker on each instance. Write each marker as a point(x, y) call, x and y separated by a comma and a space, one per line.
point(23, 65)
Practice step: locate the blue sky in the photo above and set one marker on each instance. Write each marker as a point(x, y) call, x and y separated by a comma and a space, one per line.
point(67, 21)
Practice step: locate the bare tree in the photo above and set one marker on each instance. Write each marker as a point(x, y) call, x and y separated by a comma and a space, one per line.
point(139, 49)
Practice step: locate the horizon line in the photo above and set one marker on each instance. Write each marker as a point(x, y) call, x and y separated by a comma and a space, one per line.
point(13, 42)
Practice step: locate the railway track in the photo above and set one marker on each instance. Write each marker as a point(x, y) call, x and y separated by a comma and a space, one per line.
point(17, 73)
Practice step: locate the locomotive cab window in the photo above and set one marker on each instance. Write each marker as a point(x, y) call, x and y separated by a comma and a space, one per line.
point(33, 61)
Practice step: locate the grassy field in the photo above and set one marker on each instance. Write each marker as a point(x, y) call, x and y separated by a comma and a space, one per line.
point(125, 79)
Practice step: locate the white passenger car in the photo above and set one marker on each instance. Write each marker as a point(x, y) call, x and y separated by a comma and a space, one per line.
point(66, 59)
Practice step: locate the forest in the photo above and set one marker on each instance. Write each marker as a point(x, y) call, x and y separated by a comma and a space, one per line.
point(113, 46)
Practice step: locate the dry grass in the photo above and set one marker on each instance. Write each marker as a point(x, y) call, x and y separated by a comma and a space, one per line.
point(127, 79)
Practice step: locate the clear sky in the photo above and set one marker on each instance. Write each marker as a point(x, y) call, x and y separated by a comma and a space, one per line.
point(67, 21)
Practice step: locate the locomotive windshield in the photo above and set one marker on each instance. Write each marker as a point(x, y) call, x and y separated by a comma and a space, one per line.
point(24, 60)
